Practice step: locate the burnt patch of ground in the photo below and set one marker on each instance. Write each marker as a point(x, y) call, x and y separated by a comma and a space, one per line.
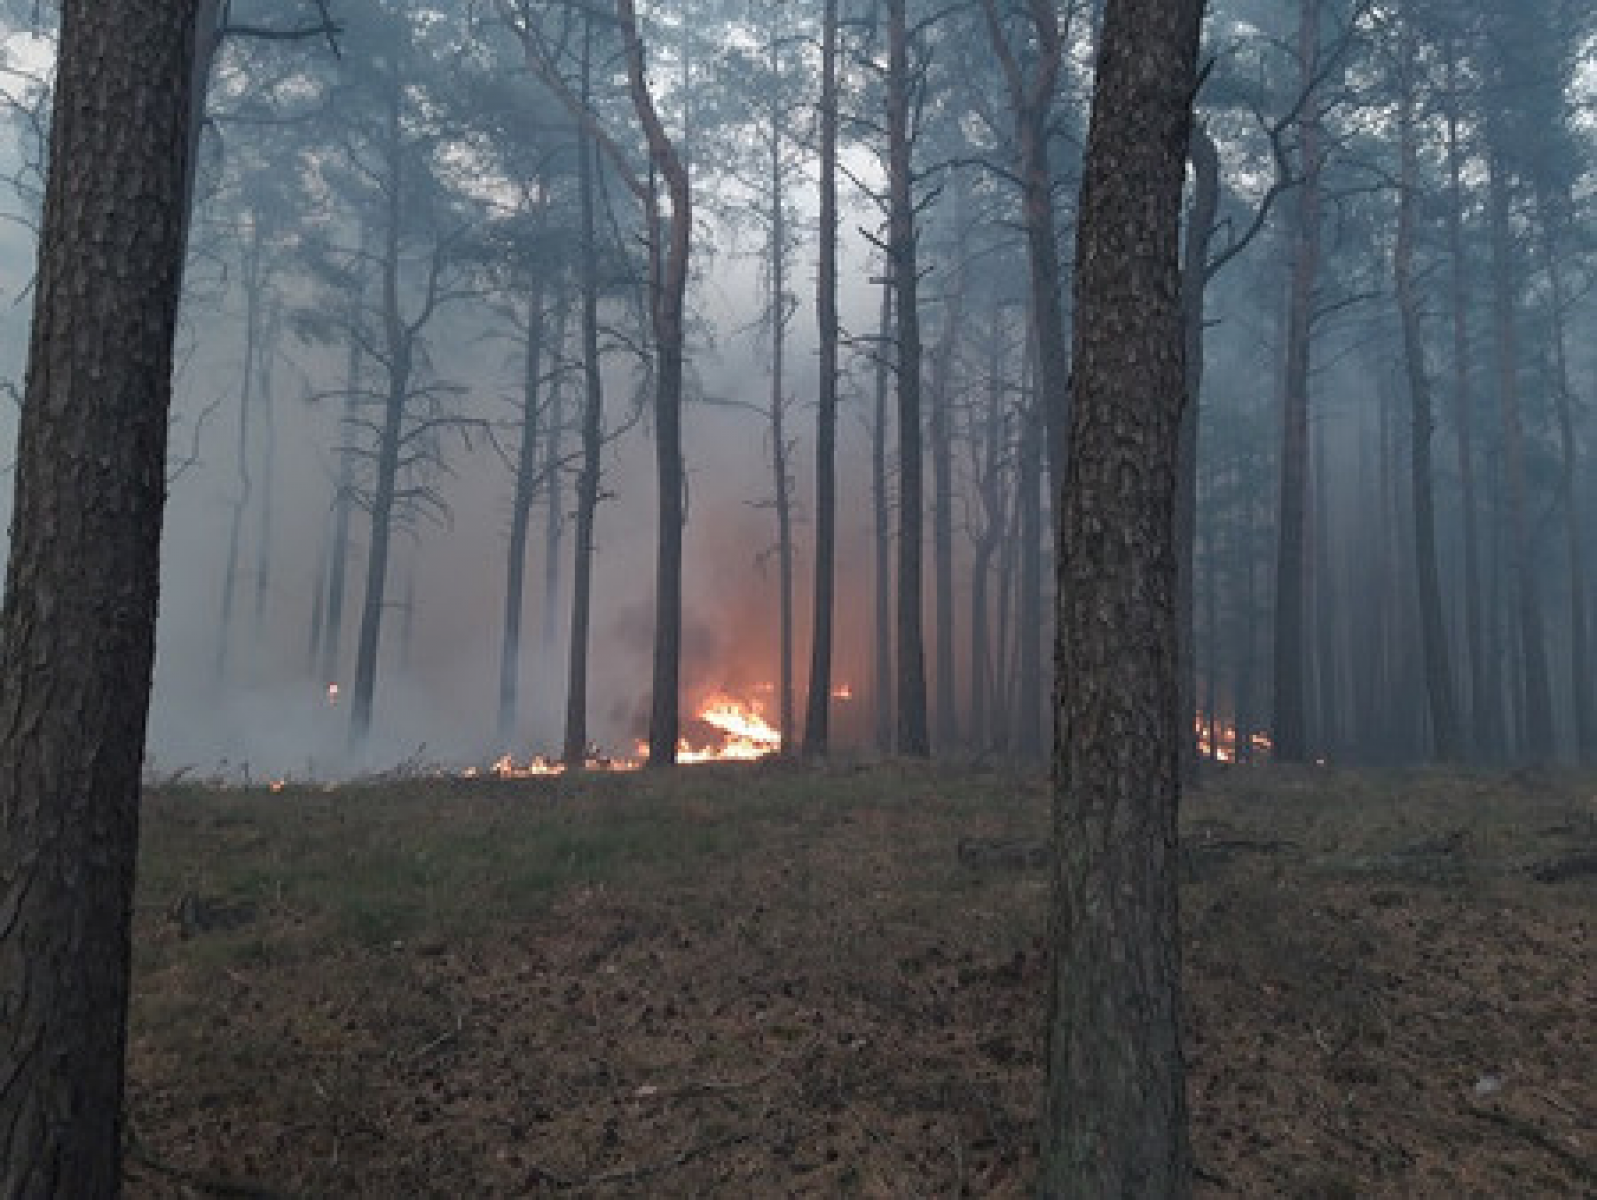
point(771, 981)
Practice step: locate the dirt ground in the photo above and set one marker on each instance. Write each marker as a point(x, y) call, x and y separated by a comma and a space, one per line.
point(772, 981)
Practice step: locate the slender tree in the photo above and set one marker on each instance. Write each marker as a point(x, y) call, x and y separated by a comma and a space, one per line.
point(77, 630)
point(1433, 635)
point(818, 707)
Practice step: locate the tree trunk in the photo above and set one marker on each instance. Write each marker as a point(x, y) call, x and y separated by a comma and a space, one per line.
point(940, 431)
point(1194, 283)
point(668, 280)
point(913, 735)
point(266, 511)
point(552, 490)
point(343, 510)
point(399, 349)
point(781, 479)
point(1537, 709)
point(575, 750)
point(521, 518)
point(1029, 632)
point(1551, 211)
point(817, 713)
point(1291, 645)
point(1433, 633)
point(1485, 719)
point(881, 508)
point(246, 406)
point(77, 628)
point(1116, 1114)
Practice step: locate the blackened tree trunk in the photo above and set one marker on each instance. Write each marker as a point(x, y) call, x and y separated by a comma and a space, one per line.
point(913, 735)
point(1116, 1114)
point(526, 484)
point(668, 282)
point(575, 750)
point(1433, 634)
point(77, 630)
point(818, 706)
point(881, 508)
point(1536, 713)
point(1291, 644)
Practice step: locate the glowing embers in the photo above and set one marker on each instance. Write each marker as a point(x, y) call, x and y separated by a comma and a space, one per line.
point(506, 767)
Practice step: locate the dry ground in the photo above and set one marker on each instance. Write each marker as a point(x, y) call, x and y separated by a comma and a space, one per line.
point(771, 981)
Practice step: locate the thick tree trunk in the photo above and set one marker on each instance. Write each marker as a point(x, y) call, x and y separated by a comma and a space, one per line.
point(668, 280)
point(1291, 644)
point(526, 485)
point(1116, 1113)
point(77, 629)
point(575, 750)
point(913, 735)
point(1433, 633)
point(817, 711)
point(1537, 710)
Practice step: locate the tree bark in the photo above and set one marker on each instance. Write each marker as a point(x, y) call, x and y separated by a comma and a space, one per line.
point(913, 735)
point(1291, 645)
point(1433, 633)
point(1116, 1114)
point(940, 432)
point(668, 280)
point(575, 750)
point(77, 628)
point(1536, 713)
point(398, 342)
point(521, 517)
point(1484, 712)
point(818, 708)
point(1551, 211)
point(881, 508)
point(1201, 219)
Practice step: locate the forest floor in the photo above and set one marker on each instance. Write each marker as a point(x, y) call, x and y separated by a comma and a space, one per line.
point(775, 981)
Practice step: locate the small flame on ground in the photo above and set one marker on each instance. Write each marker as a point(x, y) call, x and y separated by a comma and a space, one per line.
point(1221, 741)
point(843, 691)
